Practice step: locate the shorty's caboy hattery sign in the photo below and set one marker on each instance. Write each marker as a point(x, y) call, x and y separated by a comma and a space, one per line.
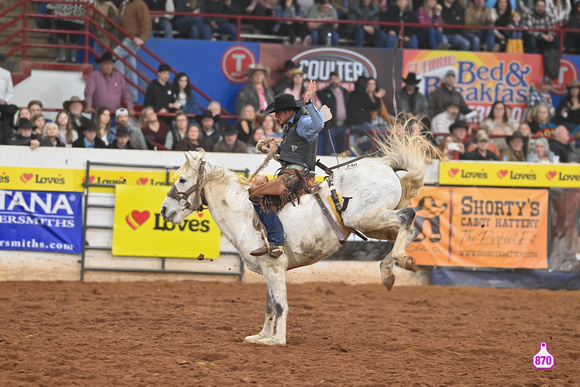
point(139, 228)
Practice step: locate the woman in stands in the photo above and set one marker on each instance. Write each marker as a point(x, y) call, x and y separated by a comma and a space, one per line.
point(178, 131)
point(50, 136)
point(560, 11)
point(541, 152)
point(501, 14)
point(154, 131)
point(23, 113)
point(294, 30)
point(103, 123)
point(430, 13)
point(271, 127)
point(297, 90)
point(256, 92)
point(245, 124)
point(184, 94)
point(192, 140)
point(539, 121)
point(497, 123)
point(568, 112)
point(38, 122)
point(258, 136)
point(65, 128)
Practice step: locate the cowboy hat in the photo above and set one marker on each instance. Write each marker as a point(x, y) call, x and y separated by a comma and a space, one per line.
point(106, 57)
point(229, 130)
point(289, 65)
point(411, 79)
point(517, 134)
point(66, 104)
point(257, 67)
point(574, 83)
point(206, 114)
point(283, 101)
point(24, 123)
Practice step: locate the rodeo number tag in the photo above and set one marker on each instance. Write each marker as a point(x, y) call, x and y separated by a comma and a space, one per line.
point(353, 165)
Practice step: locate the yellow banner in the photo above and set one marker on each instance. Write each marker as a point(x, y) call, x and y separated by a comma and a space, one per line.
point(509, 175)
point(139, 229)
point(481, 227)
point(36, 179)
point(148, 178)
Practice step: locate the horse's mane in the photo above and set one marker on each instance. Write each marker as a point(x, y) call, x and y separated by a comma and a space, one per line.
point(216, 173)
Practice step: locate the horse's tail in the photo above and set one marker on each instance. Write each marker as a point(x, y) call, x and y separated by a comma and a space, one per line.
point(406, 152)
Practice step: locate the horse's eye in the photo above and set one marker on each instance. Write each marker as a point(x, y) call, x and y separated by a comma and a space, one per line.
point(181, 180)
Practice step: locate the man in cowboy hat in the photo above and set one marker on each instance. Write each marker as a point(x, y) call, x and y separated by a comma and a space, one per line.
point(89, 138)
point(517, 143)
point(209, 135)
point(410, 100)
point(24, 135)
point(297, 153)
point(75, 106)
point(159, 94)
point(106, 87)
point(230, 143)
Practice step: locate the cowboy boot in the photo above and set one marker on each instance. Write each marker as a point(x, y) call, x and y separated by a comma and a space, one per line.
point(272, 250)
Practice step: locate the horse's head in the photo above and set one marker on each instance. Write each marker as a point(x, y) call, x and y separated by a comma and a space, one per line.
point(184, 197)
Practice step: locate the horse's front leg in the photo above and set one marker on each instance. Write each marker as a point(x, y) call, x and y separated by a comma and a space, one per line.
point(275, 272)
point(269, 323)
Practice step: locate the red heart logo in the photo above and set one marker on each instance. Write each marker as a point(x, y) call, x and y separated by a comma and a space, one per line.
point(200, 214)
point(137, 218)
point(551, 174)
point(25, 177)
point(452, 172)
point(501, 173)
point(142, 181)
point(91, 179)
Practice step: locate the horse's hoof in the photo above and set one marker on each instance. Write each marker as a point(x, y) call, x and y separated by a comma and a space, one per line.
point(409, 264)
point(253, 339)
point(389, 281)
point(270, 341)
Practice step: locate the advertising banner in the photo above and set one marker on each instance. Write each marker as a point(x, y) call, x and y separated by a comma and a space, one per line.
point(509, 174)
point(139, 230)
point(472, 227)
point(32, 179)
point(482, 78)
point(41, 221)
point(565, 235)
point(569, 70)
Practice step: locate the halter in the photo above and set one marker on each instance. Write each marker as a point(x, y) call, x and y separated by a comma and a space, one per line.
point(179, 196)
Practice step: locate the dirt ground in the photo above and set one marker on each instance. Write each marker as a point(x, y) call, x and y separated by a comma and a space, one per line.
point(190, 333)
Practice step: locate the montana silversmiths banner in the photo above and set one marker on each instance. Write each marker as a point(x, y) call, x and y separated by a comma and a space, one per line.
point(481, 227)
point(140, 230)
point(41, 221)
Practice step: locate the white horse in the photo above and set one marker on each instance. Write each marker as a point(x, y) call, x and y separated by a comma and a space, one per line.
point(379, 208)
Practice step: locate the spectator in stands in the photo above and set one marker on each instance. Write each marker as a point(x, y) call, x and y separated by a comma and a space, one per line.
point(69, 24)
point(568, 112)
point(110, 10)
point(295, 31)
point(525, 129)
point(481, 153)
point(271, 127)
point(135, 19)
point(320, 32)
point(572, 40)
point(560, 10)
point(230, 143)
point(184, 94)
point(65, 129)
point(256, 92)
point(452, 13)
point(410, 100)
point(177, 131)
point(162, 22)
point(245, 125)
point(6, 86)
point(336, 98)
point(188, 26)
point(35, 107)
point(75, 106)
point(458, 131)
point(154, 130)
point(122, 139)
point(497, 123)
point(373, 35)
point(539, 121)
point(215, 108)
point(490, 146)
point(89, 138)
point(103, 124)
point(362, 102)
point(24, 135)
point(297, 88)
point(430, 13)
point(286, 81)
point(219, 25)
point(516, 148)
point(399, 12)
point(501, 14)
point(560, 144)
point(478, 15)
point(539, 41)
point(209, 135)
point(265, 8)
point(541, 152)
point(38, 122)
point(7, 113)
point(23, 113)
point(515, 43)
point(106, 87)
point(135, 135)
point(50, 136)
point(442, 121)
point(542, 95)
point(159, 94)
point(192, 140)
point(258, 136)
point(440, 97)
point(449, 149)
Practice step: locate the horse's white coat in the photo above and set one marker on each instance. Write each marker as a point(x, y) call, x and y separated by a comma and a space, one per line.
point(375, 189)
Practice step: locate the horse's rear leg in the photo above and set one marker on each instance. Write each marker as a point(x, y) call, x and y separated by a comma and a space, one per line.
point(269, 323)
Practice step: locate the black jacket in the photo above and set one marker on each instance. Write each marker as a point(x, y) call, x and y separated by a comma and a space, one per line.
point(17, 139)
point(7, 113)
point(452, 15)
point(475, 155)
point(559, 149)
point(80, 143)
point(327, 97)
point(360, 107)
point(113, 145)
point(79, 128)
point(394, 15)
point(158, 96)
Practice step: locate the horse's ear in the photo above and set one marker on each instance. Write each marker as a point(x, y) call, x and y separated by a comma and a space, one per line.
point(188, 158)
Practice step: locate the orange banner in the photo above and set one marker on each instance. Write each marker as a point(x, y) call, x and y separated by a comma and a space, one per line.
point(474, 227)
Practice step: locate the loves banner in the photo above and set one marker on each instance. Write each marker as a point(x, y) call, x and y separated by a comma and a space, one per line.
point(41, 221)
point(139, 229)
point(481, 227)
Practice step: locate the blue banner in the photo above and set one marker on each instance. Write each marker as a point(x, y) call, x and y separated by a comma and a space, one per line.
point(41, 221)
